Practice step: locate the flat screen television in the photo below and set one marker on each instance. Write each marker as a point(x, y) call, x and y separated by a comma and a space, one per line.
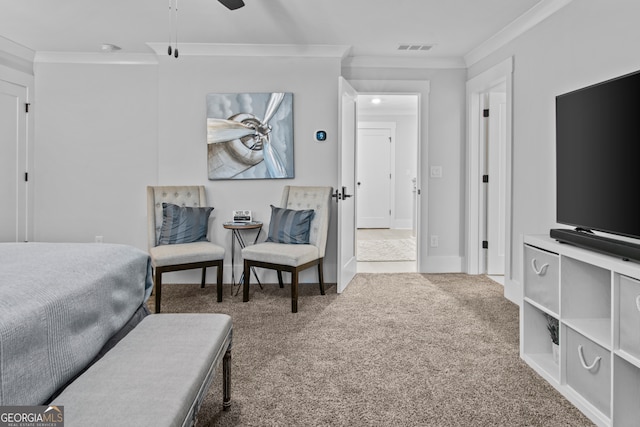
point(598, 161)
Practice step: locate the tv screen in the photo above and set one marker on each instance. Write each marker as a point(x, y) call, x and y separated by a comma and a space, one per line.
point(598, 157)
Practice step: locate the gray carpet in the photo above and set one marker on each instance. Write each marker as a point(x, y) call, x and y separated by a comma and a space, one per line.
point(392, 350)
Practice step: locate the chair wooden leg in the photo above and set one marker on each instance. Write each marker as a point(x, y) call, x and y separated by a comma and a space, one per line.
point(247, 279)
point(320, 278)
point(219, 282)
point(204, 276)
point(158, 288)
point(280, 282)
point(294, 291)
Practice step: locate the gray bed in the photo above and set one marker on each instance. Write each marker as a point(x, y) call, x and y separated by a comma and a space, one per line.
point(60, 305)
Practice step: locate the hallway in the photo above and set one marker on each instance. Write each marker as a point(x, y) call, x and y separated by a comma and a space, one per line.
point(385, 250)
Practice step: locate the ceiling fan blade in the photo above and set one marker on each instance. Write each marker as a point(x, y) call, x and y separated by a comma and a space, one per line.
point(220, 130)
point(232, 4)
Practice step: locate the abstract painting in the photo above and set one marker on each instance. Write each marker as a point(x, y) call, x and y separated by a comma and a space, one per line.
point(250, 135)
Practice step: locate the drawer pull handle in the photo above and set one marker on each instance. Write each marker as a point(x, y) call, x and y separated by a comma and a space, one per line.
point(638, 302)
point(584, 363)
point(542, 270)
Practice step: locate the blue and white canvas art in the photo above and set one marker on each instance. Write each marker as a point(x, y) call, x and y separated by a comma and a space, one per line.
point(250, 135)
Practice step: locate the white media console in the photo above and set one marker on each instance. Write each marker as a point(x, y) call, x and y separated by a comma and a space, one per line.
point(596, 299)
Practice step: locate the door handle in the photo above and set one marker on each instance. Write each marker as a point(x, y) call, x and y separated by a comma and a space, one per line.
point(337, 196)
point(345, 196)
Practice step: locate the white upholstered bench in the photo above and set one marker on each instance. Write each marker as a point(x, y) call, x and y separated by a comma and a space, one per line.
point(156, 376)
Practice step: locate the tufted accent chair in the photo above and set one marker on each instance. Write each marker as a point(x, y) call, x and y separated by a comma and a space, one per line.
point(289, 257)
point(183, 256)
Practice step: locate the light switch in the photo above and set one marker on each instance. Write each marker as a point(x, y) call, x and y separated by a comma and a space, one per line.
point(436, 171)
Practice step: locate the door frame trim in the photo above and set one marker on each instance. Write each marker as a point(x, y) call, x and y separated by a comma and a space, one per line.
point(17, 67)
point(476, 87)
point(24, 161)
point(421, 88)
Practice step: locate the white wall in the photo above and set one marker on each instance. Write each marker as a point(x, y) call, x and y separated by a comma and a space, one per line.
point(95, 151)
point(106, 131)
point(586, 42)
point(183, 85)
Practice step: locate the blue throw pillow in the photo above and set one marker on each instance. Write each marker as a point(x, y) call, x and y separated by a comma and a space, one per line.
point(290, 226)
point(182, 224)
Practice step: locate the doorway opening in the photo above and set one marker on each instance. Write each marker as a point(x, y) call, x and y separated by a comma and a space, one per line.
point(14, 219)
point(489, 176)
point(494, 136)
point(386, 182)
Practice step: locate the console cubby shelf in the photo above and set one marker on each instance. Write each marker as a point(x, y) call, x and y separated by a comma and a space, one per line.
point(595, 299)
point(537, 348)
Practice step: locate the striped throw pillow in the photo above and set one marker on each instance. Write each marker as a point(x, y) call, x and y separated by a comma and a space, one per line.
point(290, 226)
point(182, 224)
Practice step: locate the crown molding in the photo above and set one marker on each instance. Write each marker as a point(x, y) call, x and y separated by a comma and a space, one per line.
point(253, 50)
point(15, 49)
point(403, 62)
point(16, 56)
point(520, 25)
point(114, 58)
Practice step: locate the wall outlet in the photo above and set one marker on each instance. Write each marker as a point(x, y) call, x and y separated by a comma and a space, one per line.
point(434, 241)
point(99, 239)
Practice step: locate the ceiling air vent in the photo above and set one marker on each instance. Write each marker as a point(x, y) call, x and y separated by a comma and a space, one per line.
point(415, 47)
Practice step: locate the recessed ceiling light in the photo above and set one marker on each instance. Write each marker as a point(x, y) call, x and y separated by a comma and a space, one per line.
point(108, 47)
point(376, 101)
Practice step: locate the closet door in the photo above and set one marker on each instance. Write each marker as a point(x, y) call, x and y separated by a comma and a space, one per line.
point(13, 162)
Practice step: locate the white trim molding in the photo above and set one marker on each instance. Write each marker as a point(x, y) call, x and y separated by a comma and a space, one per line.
point(403, 62)
point(443, 264)
point(476, 87)
point(421, 88)
point(254, 50)
point(117, 58)
point(522, 24)
point(15, 56)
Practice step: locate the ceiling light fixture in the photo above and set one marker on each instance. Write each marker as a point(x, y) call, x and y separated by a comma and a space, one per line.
point(376, 101)
point(173, 18)
point(173, 21)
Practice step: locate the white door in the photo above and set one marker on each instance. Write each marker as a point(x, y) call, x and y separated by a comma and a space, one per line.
point(13, 163)
point(346, 180)
point(496, 197)
point(374, 178)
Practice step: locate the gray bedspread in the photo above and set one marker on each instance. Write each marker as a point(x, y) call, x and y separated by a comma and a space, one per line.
point(59, 304)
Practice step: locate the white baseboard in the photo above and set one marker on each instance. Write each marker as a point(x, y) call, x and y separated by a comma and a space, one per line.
point(403, 223)
point(442, 264)
point(513, 291)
